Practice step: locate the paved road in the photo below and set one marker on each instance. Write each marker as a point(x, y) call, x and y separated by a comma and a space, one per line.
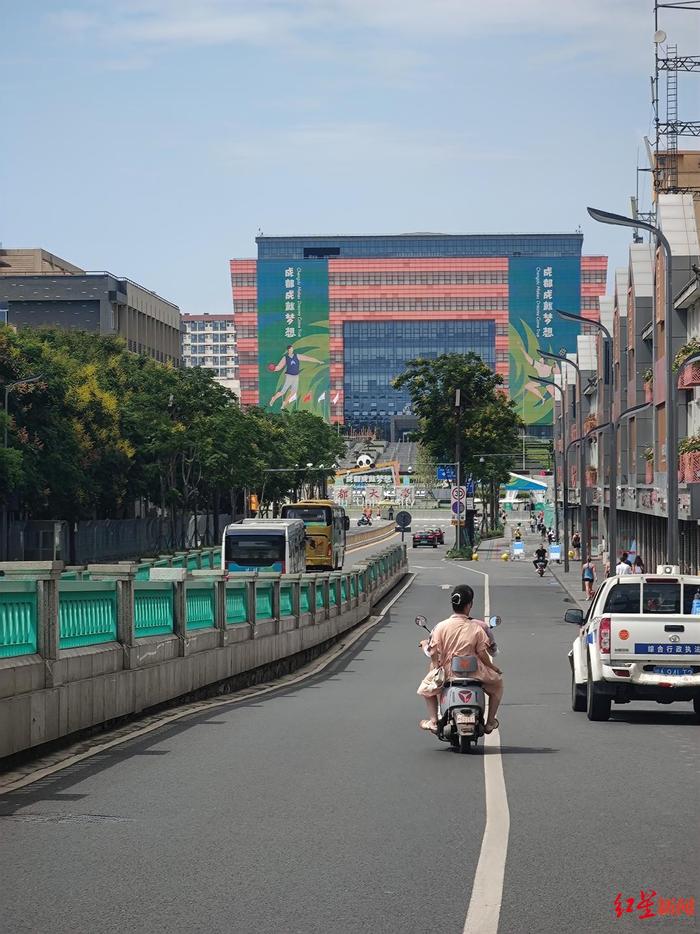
point(323, 808)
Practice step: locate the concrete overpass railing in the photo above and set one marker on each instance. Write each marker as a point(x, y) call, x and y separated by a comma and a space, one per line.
point(76, 653)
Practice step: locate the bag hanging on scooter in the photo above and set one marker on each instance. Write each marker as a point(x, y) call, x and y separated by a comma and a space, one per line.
point(433, 681)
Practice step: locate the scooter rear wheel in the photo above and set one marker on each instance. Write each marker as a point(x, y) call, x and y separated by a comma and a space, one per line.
point(466, 743)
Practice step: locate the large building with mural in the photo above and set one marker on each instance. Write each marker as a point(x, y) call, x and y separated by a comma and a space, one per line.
point(326, 323)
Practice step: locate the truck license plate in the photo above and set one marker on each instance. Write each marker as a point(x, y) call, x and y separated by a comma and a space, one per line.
point(663, 670)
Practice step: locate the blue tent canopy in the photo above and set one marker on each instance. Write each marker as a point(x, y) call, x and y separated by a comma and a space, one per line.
point(525, 484)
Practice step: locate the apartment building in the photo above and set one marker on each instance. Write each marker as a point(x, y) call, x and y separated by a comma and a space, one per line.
point(632, 372)
point(210, 341)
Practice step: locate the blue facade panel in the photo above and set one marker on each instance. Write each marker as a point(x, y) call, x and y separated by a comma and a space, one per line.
point(375, 352)
point(422, 245)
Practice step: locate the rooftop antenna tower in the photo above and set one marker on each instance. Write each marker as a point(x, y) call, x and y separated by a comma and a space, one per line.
point(668, 126)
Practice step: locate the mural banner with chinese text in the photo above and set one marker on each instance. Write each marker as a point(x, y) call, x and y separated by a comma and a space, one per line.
point(293, 336)
point(537, 286)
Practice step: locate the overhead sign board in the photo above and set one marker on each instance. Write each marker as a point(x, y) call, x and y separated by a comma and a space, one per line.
point(447, 472)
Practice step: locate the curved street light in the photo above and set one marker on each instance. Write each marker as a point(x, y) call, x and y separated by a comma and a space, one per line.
point(559, 359)
point(607, 378)
point(619, 220)
point(565, 483)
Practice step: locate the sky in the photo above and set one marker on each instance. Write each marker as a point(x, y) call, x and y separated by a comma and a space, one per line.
point(155, 138)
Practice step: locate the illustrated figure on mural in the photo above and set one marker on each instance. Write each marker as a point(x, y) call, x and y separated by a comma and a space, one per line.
point(291, 364)
point(541, 369)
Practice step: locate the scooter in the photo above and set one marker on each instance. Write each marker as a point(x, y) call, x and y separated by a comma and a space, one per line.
point(462, 701)
point(363, 520)
point(540, 567)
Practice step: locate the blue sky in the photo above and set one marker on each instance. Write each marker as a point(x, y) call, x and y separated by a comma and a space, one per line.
point(154, 138)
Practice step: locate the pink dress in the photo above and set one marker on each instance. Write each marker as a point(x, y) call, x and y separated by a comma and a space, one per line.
point(457, 635)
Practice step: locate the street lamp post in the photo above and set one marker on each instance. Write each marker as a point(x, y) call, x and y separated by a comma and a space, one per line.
point(565, 482)
point(585, 546)
point(612, 451)
point(8, 389)
point(619, 220)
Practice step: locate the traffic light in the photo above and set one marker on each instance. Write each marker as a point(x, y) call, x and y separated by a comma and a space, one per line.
point(253, 502)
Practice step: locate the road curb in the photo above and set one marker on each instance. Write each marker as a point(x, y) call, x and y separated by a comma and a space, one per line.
point(567, 584)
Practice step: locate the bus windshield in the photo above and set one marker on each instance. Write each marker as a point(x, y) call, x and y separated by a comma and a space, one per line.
point(312, 515)
point(255, 551)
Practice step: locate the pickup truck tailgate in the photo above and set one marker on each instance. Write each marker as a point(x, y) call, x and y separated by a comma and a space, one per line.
point(654, 638)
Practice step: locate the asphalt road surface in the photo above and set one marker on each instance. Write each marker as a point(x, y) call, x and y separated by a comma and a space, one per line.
point(323, 808)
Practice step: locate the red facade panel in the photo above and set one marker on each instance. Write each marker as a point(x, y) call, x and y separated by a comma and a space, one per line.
point(367, 292)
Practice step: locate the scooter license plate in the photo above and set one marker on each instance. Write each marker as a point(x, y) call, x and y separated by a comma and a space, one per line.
point(466, 716)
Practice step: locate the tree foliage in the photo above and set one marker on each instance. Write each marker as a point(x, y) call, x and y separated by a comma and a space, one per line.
point(103, 428)
point(487, 422)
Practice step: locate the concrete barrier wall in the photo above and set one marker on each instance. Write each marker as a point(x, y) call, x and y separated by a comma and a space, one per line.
point(378, 532)
point(256, 621)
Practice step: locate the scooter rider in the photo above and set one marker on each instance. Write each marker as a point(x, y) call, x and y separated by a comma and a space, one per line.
point(541, 557)
point(460, 635)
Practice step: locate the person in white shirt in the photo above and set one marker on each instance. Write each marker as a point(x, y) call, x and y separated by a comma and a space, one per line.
point(623, 567)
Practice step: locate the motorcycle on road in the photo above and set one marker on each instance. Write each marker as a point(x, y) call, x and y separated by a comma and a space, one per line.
point(462, 703)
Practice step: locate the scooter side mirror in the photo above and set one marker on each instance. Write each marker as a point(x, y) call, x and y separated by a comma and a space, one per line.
point(421, 621)
point(494, 621)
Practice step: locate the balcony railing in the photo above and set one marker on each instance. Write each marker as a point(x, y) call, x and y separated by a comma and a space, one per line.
point(689, 467)
point(689, 376)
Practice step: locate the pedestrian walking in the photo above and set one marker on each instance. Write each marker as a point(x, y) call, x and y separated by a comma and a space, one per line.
point(638, 566)
point(576, 545)
point(588, 576)
point(623, 567)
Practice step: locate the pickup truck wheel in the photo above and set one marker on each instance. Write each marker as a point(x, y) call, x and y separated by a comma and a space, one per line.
point(578, 695)
point(597, 704)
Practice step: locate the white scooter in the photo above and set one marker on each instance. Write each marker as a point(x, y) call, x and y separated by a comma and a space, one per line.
point(462, 700)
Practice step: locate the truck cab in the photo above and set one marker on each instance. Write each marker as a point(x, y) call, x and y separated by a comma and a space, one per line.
point(640, 640)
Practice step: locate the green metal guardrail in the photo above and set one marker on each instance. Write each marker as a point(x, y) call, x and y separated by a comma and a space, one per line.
point(286, 600)
point(200, 603)
point(87, 613)
point(153, 608)
point(88, 609)
point(263, 601)
point(236, 602)
point(18, 618)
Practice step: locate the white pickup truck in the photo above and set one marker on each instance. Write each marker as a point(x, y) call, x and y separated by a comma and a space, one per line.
point(639, 640)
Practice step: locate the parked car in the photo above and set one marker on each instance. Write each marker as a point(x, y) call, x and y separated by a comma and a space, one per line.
point(439, 535)
point(425, 537)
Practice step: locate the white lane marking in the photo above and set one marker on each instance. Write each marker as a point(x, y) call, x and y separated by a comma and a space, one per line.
point(200, 706)
point(487, 594)
point(487, 891)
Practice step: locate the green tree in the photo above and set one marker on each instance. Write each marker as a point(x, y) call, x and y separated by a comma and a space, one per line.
point(104, 428)
point(486, 423)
